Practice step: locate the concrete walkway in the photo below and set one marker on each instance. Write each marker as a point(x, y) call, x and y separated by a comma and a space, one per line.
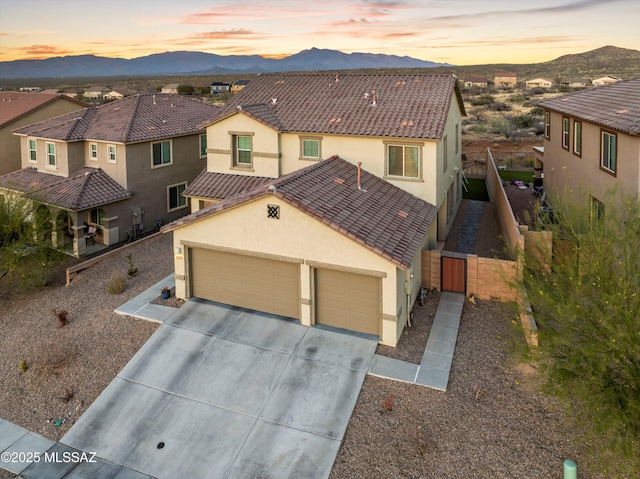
point(432, 372)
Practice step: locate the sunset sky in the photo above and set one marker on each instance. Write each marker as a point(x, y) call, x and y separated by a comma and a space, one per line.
point(460, 32)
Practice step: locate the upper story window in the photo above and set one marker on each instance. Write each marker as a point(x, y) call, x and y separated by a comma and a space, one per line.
point(565, 132)
point(445, 152)
point(33, 156)
point(242, 151)
point(51, 154)
point(608, 152)
point(93, 148)
point(577, 138)
point(547, 125)
point(161, 153)
point(310, 149)
point(203, 146)
point(403, 161)
point(112, 153)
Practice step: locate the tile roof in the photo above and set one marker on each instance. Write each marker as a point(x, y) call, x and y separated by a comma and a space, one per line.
point(88, 188)
point(222, 185)
point(132, 119)
point(615, 106)
point(406, 106)
point(381, 217)
point(14, 105)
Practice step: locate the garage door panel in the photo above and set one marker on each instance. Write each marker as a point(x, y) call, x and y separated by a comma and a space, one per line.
point(347, 300)
point(246, 281)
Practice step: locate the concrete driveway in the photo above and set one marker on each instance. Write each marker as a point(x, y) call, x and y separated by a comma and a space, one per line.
point(220, 392)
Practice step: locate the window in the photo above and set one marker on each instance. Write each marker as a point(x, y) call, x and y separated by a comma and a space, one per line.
point(565, 133)
point(403, 160)
point(175, 198)
point(93, 147)
point(112, 153)
point(51, 154)
point(608, 151)
point(97, 216)
point(241, 150)
point(32, 151)
point(161, 152)
point(547, 125)
point(597, 209)
point(203, 146)
point(457, 138)
point(445, 151)
point(577, 138)
point(310, 148)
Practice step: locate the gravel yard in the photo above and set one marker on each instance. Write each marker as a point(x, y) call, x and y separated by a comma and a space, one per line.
point(489, 424)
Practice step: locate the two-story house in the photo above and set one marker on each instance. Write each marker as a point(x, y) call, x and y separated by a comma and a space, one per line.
point(320, 193)
point(119, 167)
point(20, 109)
point(505, 80)
point(592, 143)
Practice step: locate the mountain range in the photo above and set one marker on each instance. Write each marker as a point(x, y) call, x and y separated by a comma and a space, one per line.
point(200, 63)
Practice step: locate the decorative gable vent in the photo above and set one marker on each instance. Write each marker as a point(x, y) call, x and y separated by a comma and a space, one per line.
point(273, 211)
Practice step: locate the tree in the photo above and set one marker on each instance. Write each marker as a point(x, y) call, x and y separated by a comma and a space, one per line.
point(587, 306)
point(186, 90)
point(26, 257)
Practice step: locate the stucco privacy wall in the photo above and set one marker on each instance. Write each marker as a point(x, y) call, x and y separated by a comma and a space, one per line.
point(297, 237)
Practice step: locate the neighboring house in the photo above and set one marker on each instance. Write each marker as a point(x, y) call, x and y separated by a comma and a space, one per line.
point(118, 93)
point(30, 88)
point(592, 142)
point(96, 92)
point(218, 87)
point(170, 89)
point(505, 80)
point(478, 82)
point(605, 80)
point(238, 85)
point(538, 83)
point(20, 109)
point(119, 167)
point(574, 83)
point(278, 227)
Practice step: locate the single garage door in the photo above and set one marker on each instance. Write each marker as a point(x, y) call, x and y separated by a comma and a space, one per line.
point(246, 281)
point(347, 300)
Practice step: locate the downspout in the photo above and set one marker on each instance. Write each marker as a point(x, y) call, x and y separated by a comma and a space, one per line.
point(407, 290)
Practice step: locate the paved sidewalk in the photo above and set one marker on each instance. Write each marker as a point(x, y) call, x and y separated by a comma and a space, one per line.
point(433, 370)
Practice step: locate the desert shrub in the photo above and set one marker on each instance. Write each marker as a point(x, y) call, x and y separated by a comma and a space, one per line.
point(478, 128)
point(482, 100)
point(536, 111)
point(498, 106)
point(523, 121)
point(116, 285)
point(502, 126)
point(132, 271)
point(517, 98)
point(529, 162)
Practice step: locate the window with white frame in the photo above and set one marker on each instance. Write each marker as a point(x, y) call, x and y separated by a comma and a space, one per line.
point(310, 148)
point(33, 154)
point(93, 149)
point(51, 154)
point(565, 132)
point(608, 151)
point(547, 125)
point(112, 153)
point(175, 200)
point(242, 156)
point(161, 153)
point(403, 161)
point(203, 146)
point(577, 138)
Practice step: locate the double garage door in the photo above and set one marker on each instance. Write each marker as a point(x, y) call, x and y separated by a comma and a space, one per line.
point(343, 300)
point(246, 281)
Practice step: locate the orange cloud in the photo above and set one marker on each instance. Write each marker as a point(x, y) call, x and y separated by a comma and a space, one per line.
point(40, 52)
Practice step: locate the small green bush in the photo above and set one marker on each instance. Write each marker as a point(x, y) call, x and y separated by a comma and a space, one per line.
point(132, 271)
point(116, 285)
point(482, 100)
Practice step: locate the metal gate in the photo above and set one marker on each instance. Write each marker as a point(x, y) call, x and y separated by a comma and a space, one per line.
point(454, 274)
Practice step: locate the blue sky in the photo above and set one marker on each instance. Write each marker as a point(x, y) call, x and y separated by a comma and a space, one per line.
point(461, 32)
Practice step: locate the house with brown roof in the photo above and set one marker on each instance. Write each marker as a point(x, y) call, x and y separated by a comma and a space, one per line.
point(605, 80)
point(321, 192)
point(118, 167)
point(96, 92)
point(538, 83)
point(505, 80)
point(20, 109)
point(592, 143)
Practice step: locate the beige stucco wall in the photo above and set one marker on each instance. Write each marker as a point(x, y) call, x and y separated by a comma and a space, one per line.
point(572, 176)
point(295, 236)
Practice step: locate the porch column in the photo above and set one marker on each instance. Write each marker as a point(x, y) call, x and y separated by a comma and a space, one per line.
point(79, 244)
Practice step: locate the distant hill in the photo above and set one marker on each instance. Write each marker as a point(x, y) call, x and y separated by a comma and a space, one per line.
point(172, 63)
